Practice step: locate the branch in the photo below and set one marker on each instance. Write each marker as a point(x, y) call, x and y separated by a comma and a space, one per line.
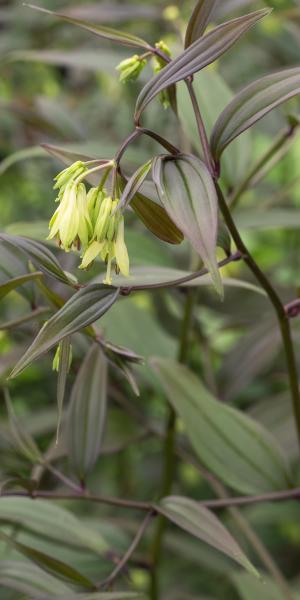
point(128, 554)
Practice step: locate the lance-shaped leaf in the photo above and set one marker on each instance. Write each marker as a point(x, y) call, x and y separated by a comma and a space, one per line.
point(188, 194)
point(199, 20)
point(125, 39)
point(29, 579)
point(197, 56)
point(64, 350)
point(86, 419)
point(251, 104)
point(98, 596)
point(21, 438)
point(12, 284)
point(232, 445)
point(82, 309)
point(49, 563)
point(134, 183)
point(47, 520)
point(39, 254)
point(203, 524)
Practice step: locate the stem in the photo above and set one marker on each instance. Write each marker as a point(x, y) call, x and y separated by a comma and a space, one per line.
point(282, 317)
point(162, 141)
point(135, 134)
point(169, 450)
point(201, 129)
point(284, 137)
point(128, 554)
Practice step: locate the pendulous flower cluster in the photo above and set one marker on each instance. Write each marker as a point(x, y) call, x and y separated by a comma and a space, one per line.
point(90, 221)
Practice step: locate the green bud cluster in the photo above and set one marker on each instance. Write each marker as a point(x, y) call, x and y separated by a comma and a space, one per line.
point(90, 221)
point(130, 68)
point(158, 65)
point(56, 359)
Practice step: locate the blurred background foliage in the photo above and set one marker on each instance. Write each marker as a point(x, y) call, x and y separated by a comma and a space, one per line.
point(59, 86)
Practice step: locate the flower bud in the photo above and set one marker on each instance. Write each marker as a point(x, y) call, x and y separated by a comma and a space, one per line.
point(130, 68)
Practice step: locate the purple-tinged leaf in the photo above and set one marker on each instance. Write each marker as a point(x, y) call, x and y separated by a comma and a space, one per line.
point(134, 183)
point(199, 20)
point(188, 194)
point(197, 56)
point(39, 254)
point(125, 39)
point(203, 524)
point(251, 104)
point(32, 581)
point(86, 418)
point(82, 309)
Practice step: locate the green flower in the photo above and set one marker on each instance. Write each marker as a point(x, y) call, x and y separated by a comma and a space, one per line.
point(130, 68)
point(108, 240)
point(56, 359)
point(71, 222)
point(158, 64)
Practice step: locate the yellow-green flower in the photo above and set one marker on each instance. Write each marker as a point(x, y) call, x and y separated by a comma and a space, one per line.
point(108, 240)
point(130, 68)
point(158, 64)
point(71, 222)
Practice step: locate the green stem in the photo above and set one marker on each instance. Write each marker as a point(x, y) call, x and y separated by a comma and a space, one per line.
point(279, 143)
point(282, 317)
point(169, 449)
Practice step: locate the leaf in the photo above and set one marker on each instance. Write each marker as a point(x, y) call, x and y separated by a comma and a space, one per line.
point(20, 155)
point(149, 276)
point(267, 589)
point(213, 94)
point(39, 254)
point(12, 284)
point(187, 192)
point(50, 521)
point(203, 524)
point(232, 445)
point(251, 104)
point(25, 577)
point(199, 20)
point(87, 413)
point(48, 563)
point(126, 39)
point(82, 309)
point(65, 355)
point(272, 218)
point(134, 183)
point(22, 439)
point(200, 54)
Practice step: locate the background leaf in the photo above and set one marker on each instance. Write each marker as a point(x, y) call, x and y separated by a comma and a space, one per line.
point(86, 419)
point(234, 447)
point(199, 20)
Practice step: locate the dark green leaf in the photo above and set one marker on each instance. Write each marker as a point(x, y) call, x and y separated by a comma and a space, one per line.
point(86, 419)
point(10, 285)
point(203, 524)
point(48, 563)
point(39, 254)
point(154, 217)
point(199, 20)
point(126, 39)
point(82, 309)
point(187, 193)
point(200, 54)
point(98, 596)
point(232, 445)
point(251, 104)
